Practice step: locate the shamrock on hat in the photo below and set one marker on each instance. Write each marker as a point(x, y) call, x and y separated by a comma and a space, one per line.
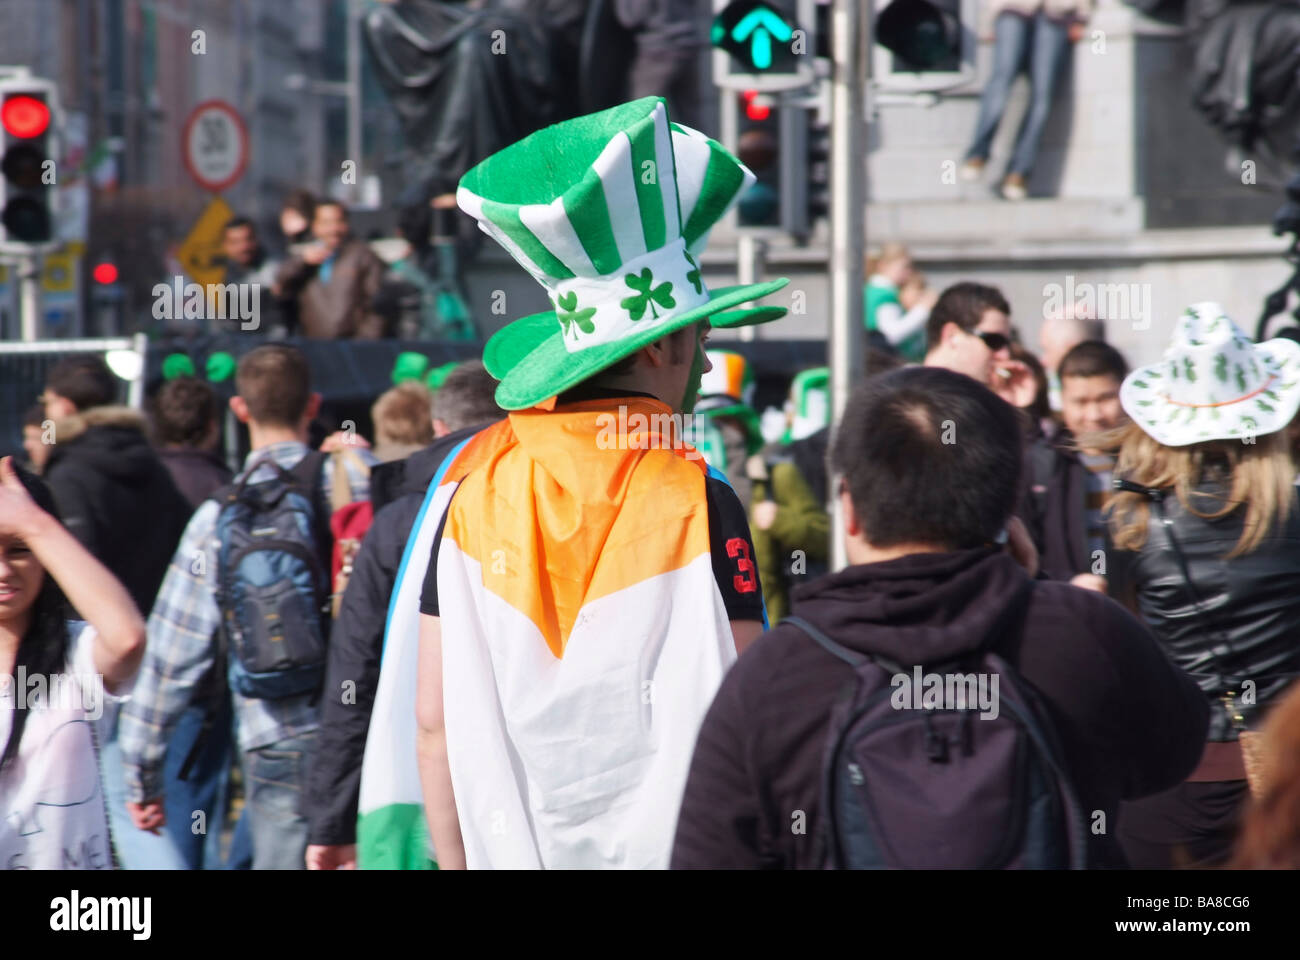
point(602, 215)
point(1214, 383)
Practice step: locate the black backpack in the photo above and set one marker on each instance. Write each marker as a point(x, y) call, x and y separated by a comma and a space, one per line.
point(942, 786)
point(273, 588)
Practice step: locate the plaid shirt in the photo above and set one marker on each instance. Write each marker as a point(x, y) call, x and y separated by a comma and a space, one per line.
point(182, 645)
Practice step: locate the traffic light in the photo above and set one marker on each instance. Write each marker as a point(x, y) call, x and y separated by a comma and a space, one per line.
point(819, 167)
point(772, 143)
point(924, 45)
point(28, 136)
point(764, 45)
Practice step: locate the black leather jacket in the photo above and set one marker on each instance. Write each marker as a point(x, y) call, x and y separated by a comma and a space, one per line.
point(1248, 624)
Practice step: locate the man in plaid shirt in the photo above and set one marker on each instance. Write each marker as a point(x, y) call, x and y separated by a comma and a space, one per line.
point(275, 736)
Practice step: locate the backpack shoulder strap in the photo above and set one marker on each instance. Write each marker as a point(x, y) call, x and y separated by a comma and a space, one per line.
point(851, 657)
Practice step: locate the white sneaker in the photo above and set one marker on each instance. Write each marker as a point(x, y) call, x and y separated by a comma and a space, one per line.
point(1013, 187)
point(971, 170)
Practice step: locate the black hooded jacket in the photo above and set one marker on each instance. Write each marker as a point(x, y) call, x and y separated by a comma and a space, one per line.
point(116, 497)
point(1129, 722)
point(357, 641)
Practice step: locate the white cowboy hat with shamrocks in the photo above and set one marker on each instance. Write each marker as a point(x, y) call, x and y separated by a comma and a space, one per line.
point(1214, 383)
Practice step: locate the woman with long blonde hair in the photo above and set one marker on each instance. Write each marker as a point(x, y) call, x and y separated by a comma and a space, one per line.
point(1206, 549)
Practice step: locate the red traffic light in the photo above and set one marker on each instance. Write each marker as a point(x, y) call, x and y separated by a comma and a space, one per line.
point(753, 110)
point(105, 273)
point(24, 116)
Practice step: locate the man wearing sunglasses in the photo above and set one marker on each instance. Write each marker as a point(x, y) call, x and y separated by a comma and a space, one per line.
point(969, 331)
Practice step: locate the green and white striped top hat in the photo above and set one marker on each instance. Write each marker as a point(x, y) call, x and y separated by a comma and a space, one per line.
point(593, 209)
point(1214, 383)
point(810, 400)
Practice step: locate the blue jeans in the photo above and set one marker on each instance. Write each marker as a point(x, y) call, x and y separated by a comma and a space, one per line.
point(274, 776)
point(136, 849)
point(206, 789)
point(1044, 43)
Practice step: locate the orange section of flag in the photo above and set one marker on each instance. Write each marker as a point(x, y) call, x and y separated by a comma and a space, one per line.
point(562, 508)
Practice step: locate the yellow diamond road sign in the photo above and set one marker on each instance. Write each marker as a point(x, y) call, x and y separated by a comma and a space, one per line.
point(201, 252)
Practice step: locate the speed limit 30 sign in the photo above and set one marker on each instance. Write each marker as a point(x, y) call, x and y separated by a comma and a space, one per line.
point(214, 144)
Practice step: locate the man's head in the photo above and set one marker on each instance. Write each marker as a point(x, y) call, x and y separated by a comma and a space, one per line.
point(403, 418)
point(274, 390)
point(185, 415)
point(329, 224)
point(929, 459)
point(669, 369)
point(969, 330)
point(76, 384)
point(1060, 334)
point(33, 435)
point(239, 241)
point(1091, 375)
point(465, 399)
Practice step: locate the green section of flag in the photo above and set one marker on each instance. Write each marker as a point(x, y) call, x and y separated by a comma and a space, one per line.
point(394, 838)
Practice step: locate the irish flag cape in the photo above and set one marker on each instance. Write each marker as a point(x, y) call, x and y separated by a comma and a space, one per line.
point(583, 639)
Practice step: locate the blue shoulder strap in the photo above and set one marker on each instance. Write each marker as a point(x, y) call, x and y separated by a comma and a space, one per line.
point(434, 484)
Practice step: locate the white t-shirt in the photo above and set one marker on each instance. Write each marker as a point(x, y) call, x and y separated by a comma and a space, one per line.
point(53, 815)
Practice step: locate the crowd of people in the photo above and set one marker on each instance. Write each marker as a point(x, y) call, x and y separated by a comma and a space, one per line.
point(329, 283)
point(1066, 636)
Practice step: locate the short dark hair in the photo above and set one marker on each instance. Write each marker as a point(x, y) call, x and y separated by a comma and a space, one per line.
point(275, 382)
point(963, 304)
point(1093, 358)
point(235, 223)
point(929, 456)
point(331, 203)
point(467, 398)
point(183, 412)
point(85, 381)
point(304, 201)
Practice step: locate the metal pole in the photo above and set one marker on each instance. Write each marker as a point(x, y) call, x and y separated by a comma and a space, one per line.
point(135, 392)
point(354, 93)
point(29, 297)
point(751, 264)
point(848, 223)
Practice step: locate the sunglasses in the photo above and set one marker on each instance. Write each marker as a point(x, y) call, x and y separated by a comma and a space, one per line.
point(994, 341)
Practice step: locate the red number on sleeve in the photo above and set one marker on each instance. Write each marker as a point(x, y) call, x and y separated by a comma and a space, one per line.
point(746, 581)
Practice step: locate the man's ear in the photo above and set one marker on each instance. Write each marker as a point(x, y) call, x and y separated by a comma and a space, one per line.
point(313, 407)
point(440, 428)
point(239, 408)
point(656, 353)
point(852, 526)
point(949, 333)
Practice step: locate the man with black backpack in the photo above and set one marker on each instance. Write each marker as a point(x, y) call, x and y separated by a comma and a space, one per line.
point(245, 601)
point(932, 705)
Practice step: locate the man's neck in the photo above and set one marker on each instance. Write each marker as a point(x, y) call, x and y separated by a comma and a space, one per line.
point(261, 437)
point(860, 552)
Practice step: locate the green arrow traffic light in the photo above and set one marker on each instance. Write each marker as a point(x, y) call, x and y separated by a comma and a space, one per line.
point(756, 34)
point(764, 26)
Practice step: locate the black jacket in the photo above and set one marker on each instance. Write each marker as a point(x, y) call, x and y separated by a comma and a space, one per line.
point(116, 497)
point(357, 641)
point(198, 474)
point(1058, 492)
point(1248, 624)
point(1130, 723)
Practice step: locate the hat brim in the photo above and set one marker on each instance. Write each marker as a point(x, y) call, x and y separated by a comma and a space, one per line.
point(1178, 425)
point(531, 361)
point(517, 339)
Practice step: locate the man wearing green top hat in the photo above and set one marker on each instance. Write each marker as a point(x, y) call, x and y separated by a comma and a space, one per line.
point(620, 563)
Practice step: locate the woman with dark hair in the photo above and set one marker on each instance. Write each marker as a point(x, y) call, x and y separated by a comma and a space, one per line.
point(1205, 525)
point(57, 676)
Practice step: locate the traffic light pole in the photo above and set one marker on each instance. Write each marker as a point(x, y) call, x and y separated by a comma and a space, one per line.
point(29, 296)
point(848, 225)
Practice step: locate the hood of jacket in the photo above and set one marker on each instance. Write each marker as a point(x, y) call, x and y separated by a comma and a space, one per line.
point(919, 609)
point(111, 440)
